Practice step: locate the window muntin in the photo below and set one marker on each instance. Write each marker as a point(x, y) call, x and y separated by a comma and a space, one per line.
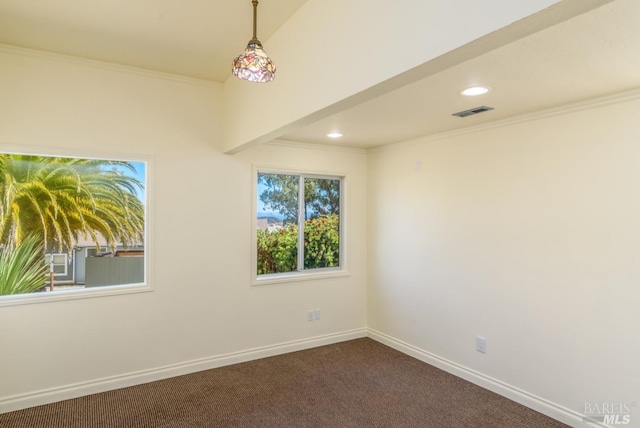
point(55, 212)
point(298, 223)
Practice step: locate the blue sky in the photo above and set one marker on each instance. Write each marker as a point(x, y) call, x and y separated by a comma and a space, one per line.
point(261, 207)
point(139, 175)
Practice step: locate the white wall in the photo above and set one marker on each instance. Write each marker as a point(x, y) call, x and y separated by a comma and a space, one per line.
point(527, 234)
point(202, 311)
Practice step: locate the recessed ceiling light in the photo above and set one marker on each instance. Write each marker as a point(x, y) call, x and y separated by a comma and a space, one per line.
point(475, 90)
point(334, 135)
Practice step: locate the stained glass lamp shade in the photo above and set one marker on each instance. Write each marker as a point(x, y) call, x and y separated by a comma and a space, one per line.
point(253, 64)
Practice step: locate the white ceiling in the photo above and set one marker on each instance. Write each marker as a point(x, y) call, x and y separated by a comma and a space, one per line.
point(588, 56)
point(195, 38)
point(591, 55)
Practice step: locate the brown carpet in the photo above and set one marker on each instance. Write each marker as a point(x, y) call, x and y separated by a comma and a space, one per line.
point(359, 383)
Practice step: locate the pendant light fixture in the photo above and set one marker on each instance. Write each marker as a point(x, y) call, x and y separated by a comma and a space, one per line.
point(253, 64)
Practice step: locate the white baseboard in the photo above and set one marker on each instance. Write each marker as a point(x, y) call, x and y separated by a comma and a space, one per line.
point(546, 407)
point(52, 395)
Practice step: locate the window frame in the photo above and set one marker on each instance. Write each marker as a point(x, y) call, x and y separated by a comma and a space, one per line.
point(50, 260)
point(301, 274)
point(98, 291)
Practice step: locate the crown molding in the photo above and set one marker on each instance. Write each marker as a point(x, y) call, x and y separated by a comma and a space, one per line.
point(616, 98)
point(108, 66)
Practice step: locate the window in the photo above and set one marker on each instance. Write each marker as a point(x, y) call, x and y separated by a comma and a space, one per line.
point(66, 222)
point(57, 264)
point(298, 224)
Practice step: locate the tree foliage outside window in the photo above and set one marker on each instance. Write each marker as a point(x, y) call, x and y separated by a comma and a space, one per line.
point(21, 268)
point(283, 231)
point(51, 203)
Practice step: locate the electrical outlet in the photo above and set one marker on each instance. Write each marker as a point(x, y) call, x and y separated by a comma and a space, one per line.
point(310, 315)
point(481, 344)
point(317, 314)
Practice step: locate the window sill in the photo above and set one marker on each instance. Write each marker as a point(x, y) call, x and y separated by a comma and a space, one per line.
point(279, 278)
point(85, 293)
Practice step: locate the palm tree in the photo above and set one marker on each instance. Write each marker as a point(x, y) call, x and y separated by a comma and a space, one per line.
point(61, 199)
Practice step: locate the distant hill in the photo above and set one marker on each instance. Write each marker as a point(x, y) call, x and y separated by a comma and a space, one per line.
point(271, 217)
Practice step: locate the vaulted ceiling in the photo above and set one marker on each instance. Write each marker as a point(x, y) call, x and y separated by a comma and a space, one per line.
point(195, 38)
point(587, 56)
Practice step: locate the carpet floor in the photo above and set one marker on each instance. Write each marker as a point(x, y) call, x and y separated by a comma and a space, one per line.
point(358, 383)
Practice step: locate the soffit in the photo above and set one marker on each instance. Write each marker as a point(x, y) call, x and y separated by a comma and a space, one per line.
point(588, 56)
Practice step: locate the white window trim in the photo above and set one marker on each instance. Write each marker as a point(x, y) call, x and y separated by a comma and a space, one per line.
point(84, 293)
point(101, 291)
point(303, 275)
point(49, 259)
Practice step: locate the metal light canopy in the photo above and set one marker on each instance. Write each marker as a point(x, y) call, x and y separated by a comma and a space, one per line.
point(253, 64)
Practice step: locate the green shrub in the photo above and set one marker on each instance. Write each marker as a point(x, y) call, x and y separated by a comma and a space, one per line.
point(322, 242)
point(22, 269)
point(277, 250)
